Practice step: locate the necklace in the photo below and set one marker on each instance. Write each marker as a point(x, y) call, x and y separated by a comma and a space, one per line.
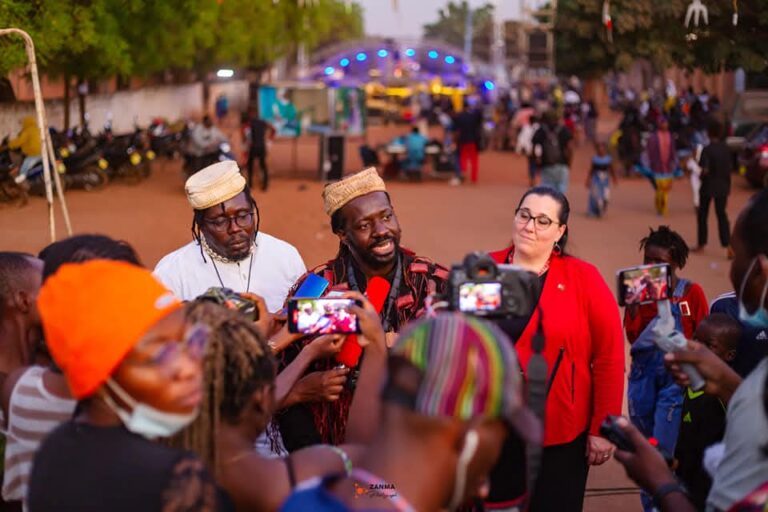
point(375, 483)
point(543, 269)
point(221, 259)
point(216, 256)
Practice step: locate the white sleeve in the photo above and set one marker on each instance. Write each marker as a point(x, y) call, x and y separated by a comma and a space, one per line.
point(166, 272)
point(298, 268)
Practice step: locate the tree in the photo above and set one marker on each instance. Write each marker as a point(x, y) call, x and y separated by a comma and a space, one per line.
point(451, 25)
point(655, 31)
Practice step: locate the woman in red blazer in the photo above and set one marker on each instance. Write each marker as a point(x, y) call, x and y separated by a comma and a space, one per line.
point(584, 350)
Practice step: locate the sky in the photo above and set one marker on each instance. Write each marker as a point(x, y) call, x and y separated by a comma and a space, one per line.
point(382, 20)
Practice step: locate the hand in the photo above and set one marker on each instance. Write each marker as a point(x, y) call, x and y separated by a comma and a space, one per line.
point(368, 318)
point(599, 450)
point(646, 466)
point(264, 322)
point(282, 339)
point(321, 386)
point(721, 380)
point(325, 346)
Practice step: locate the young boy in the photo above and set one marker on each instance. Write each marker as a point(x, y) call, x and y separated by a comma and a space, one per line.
point(703, 422)
point(599, 180)
point(654, 399)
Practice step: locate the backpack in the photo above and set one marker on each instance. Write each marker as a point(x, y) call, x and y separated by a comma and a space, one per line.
point(551, 152)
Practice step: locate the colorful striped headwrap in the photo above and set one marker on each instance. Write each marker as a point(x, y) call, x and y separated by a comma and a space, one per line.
point(469, 367)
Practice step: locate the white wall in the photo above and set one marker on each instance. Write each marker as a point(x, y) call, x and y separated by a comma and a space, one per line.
point(236, 92)
point(125, 107)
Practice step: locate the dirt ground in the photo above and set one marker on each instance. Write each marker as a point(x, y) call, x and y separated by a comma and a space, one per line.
point(438, 221)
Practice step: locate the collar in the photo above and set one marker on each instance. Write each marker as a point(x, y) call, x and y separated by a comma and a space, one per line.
point(218, 257)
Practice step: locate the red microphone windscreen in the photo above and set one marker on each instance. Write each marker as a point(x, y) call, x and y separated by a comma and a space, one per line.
point(377, 292)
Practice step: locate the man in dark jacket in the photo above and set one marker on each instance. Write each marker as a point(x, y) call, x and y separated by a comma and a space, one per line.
point(716, 167)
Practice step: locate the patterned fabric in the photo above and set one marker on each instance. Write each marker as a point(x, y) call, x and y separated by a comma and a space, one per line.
point(469, 367)
point(421, 277)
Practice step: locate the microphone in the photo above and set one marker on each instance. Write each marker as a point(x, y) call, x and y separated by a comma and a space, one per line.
point(377, 292)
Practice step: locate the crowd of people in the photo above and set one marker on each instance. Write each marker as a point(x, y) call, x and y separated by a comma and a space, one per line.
point(130, 389)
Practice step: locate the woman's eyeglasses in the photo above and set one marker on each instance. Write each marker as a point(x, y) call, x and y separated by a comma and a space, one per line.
point(523, 216)
point(193, 345)
point(242, 219)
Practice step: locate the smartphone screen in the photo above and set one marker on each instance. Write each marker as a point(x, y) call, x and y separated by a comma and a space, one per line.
point(322, 316)
point(644, 284)
point(474, 297)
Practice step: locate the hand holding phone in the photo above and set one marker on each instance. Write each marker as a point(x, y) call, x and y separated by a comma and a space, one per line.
point(644, 284)
point(322, 316)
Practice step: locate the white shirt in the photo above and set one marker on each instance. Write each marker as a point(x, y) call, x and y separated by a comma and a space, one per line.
point(744, 466)
point(277, 265)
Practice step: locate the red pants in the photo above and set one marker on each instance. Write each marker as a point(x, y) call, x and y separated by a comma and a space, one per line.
point(468, 156)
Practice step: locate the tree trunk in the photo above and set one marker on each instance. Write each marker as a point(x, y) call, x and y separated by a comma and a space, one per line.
point(67, 80)
point(81, 83)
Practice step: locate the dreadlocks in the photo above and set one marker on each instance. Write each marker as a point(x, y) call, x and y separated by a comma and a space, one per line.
point(199, 217)
point(237, 363)
point(665, 238)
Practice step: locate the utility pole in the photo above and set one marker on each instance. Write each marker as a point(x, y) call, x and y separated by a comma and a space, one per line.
point(498, 49)
point(468, 35)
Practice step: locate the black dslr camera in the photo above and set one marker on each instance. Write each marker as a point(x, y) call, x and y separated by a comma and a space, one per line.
point(480, 287)
point(232, 300)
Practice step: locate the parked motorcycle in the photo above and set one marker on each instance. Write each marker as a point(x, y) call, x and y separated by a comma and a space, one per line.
point(193, 163)
point(166, 139)
point(10, 191)
point(129, 157)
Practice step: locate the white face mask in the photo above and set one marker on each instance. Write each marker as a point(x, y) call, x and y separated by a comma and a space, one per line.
point(471, 440)
point(758, 319)
point(145, 420)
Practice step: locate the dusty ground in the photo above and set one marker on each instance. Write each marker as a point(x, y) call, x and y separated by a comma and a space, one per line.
point(438, 220)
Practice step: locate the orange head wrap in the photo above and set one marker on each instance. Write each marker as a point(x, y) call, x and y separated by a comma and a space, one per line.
point(93, 314)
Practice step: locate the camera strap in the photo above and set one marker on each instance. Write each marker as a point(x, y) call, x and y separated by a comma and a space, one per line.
point(537, 399)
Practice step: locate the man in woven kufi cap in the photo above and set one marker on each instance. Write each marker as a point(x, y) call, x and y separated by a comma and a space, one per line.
point(363, 218)
point(227, 249)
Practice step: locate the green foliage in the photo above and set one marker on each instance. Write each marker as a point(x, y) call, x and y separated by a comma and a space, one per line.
point(451, 24)
point(655, 31)
point(96, 39)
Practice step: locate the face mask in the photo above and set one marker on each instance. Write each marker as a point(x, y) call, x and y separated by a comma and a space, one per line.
point(145, 420)
point(758, 319)
point(460, 483)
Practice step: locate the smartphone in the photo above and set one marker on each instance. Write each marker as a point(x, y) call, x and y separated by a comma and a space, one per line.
point(313, 286)
point(322, 316)
point(644, 284)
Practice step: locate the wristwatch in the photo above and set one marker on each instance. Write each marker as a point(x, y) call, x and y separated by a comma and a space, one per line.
point(665, 489)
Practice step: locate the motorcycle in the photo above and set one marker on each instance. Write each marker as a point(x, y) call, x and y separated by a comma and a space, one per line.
point(10, 191)
point(128, 156)
point(167, 139)
point(193, 163)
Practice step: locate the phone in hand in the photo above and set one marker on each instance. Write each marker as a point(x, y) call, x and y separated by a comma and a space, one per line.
point(644, 284)
point(322, 316)
point(610, 430)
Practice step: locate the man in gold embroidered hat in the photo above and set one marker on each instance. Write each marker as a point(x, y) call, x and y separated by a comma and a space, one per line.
point(228, 250)
point(363, 218)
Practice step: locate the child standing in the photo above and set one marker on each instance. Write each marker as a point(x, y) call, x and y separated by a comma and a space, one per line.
point(703, 416)
point(654, 399)
point(598, 180)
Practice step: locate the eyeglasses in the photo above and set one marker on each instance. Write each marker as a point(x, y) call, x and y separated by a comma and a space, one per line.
point(167, 357)
point(523, 216)
point(242, 219)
